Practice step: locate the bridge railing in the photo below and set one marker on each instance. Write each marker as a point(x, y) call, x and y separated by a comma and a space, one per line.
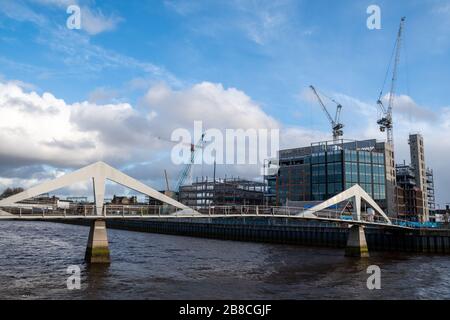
point(112, 211)
point(327, 214)
point(331, 214)
point(88, 210)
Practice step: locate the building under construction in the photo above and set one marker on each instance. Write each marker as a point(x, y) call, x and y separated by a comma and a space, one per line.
point(416, 199)
point(222, 192)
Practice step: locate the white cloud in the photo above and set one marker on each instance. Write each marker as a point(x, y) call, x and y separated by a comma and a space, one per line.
point(102, 95)
point(93, 21)
point(216, 106)
point(58, 3)
point(18, 11)
point(81, 58)
point(262, 20)
point(41, 129)
point(259, 21)
point(183, 7)
point(442, 8)
point(86, 59)
point(407, 108)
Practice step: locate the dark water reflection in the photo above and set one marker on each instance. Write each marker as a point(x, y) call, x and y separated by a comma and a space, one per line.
point(34, 257)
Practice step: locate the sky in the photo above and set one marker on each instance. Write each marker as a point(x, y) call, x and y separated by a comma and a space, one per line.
point(137, 70)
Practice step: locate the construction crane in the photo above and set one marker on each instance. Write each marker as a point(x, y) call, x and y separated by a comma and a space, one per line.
point(336, 125)
point(386, 122)
point(186, 170)
point(167, 180)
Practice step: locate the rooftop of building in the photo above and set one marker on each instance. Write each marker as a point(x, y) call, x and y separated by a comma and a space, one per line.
point(238, 183)
point(331, 145)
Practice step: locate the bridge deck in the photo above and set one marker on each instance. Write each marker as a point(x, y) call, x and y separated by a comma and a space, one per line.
point(193, 216)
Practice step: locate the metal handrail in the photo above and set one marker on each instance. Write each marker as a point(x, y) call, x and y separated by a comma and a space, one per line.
point(229, 211)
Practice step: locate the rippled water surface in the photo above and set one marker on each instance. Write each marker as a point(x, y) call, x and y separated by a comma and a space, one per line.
point(34, 257)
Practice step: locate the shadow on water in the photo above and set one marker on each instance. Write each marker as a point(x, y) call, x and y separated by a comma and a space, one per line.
point(96, 276)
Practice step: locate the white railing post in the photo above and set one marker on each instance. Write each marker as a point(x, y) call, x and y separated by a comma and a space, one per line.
point(20, 212)
point(257, 210)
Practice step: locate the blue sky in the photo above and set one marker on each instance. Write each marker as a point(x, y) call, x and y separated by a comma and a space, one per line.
point(269, 50)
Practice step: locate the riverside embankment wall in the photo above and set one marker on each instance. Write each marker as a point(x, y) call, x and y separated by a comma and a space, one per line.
point(289, 231)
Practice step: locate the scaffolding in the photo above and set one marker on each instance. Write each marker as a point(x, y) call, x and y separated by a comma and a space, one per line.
point(222, 192)
point(430, 189)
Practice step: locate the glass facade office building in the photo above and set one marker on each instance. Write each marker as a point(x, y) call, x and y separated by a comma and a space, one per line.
point(318, 173)
point(294, 181)
point(335, 171)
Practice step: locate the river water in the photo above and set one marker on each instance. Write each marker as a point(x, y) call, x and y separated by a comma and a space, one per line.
point(34, 257)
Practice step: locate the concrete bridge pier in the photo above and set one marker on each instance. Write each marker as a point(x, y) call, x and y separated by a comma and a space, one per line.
point(356, 243)
point(97, 250)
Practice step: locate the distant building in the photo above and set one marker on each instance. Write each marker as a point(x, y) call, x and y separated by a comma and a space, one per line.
point(430, 190)
point(78, 199)
point(43, 199)
point(270, 170)
point(158, 205)
point(122, 200)
point(410, 196)
point(416, 182)
point(270, 196)
point(442, 215)
point(417, 154)
point(222, 192)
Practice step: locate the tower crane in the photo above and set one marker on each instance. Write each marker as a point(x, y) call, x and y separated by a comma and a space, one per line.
point(186, 170)
point(336, 125)
point(386, 121)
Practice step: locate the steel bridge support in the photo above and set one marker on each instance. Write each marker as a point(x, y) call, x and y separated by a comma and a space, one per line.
point(356, 243)
point(97, 249)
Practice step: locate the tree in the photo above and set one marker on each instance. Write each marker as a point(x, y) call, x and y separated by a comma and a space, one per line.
point(10, 192)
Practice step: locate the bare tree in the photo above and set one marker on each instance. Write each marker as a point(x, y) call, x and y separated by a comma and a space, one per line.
point(10, 191)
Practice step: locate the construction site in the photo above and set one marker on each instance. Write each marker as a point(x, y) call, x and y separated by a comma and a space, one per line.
point(306, 175)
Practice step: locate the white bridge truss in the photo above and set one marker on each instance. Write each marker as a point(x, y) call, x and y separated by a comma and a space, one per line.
point(99, 172)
